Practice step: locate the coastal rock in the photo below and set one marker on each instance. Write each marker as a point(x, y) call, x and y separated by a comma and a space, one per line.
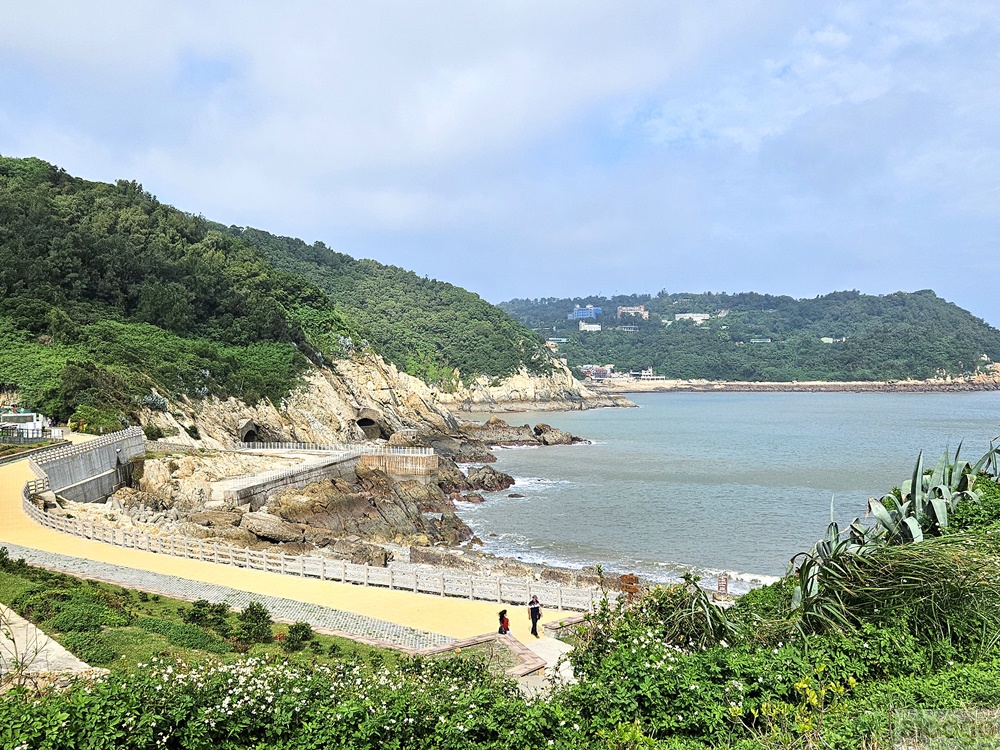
point(489, 479)
point(471, 497)
point(324, 409)
point(523, 391)
point(271, 527)
point(441, 559)
point(549, 435)
point(216, 517)
point(233, 536)
point(496, 431)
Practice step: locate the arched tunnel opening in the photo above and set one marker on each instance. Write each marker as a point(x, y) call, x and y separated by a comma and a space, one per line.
point(372, 424)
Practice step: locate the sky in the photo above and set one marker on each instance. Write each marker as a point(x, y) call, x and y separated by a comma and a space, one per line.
point(556, 149)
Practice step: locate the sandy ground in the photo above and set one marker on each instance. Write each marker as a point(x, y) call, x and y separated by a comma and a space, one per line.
point(455, 618)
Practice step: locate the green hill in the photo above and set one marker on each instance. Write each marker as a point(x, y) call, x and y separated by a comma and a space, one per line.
point(425, 326)
point(106, 294)
point(838, 336)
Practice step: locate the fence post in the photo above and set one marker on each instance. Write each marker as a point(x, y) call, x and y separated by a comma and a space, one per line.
point(366, 575)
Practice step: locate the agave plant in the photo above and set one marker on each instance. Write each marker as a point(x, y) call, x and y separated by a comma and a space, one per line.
point(927, 498)
point(813, 596)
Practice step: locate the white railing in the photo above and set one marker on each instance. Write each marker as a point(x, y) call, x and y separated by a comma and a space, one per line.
point(60, 452)
point(440, 583)
point(361, 448)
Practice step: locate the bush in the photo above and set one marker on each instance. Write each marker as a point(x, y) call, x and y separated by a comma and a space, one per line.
point(83, 615)
point(184, 635)
point(152, 431)
point(255, 624)
point(90, 647)
point(298, 635)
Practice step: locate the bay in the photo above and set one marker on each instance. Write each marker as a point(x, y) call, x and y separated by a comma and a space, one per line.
point(712, 482)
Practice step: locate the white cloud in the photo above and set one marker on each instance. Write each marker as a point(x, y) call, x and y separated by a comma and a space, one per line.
point(629, 146)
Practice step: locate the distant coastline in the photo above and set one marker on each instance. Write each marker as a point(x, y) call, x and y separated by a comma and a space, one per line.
point(945, 385)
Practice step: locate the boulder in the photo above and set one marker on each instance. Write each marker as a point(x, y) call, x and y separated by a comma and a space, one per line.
point(549, 435)
point(489, 479)
point(272, 528)
point(216, 517)
point(471, 497)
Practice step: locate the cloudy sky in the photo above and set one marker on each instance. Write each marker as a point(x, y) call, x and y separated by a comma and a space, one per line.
point(526, 149)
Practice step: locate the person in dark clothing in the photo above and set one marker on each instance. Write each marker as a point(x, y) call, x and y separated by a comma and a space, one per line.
point(504, 623)
point(535, 613)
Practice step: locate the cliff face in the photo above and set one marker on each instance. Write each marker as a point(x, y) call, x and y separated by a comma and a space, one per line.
point(327, 406)
point(557, 391)
point(324, 409)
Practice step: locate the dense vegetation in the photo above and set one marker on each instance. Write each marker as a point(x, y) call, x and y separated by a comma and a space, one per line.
point(766, 338)
point(869, 638)
point(427, 327)
point(107, 294)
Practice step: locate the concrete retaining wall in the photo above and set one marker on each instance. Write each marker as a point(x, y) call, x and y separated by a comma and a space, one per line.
point(72, 465)
point(258, 488)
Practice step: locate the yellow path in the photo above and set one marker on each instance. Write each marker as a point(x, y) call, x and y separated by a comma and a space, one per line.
point(455, 618)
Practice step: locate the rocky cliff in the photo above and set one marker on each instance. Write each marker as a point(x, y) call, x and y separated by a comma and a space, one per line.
point(326, 408)
point(557, 391)
point(367, 398)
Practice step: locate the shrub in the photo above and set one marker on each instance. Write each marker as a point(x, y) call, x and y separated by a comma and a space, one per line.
point(255, 624)
point(298, 635)
point(152, 431)
point(184, 635)
point(90, 647)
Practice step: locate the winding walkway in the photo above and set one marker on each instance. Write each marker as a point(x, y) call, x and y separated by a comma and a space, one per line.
point(398, 617)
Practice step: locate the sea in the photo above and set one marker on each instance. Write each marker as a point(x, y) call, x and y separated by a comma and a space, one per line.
point(713, 483)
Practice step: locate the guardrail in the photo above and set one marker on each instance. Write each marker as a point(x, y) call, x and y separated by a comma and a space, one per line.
point(362, 448)
point(393, 459)
point(61, 452)
point(494, 589)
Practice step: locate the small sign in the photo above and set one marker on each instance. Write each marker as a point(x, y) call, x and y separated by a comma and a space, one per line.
point(723, 584)
point(629, 584)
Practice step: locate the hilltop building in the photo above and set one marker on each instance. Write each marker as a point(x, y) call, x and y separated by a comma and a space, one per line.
point(584, 313)
point(589, 326)
point(639, 310)
point(696, 318)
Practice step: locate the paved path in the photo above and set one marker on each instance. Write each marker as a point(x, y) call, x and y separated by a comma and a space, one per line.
point(435, 617)
point(22, 642)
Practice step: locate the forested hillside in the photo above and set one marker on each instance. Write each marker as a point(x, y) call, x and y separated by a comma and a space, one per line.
point(106, 294)
point(425, 326)
point(839, 336)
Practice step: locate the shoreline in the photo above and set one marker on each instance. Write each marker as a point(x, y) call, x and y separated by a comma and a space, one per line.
point(969, 385)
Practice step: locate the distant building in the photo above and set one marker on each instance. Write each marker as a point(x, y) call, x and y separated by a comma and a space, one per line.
point(584, 313)
point(23, 421)
point(589, 326)
point(696, 318)
point(639, 310)
point(760, 341)
point(596, 372)
point(831, 339)
point(647, 374)
point(627, 329)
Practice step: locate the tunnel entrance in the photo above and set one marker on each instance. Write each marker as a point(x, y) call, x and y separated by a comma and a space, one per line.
point(371, 423)
point(248, 431)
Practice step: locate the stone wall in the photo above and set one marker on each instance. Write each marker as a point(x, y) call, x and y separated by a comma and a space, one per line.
point(89, 471)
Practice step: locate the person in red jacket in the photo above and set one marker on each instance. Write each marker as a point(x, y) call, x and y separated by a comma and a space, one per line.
point(504, 623)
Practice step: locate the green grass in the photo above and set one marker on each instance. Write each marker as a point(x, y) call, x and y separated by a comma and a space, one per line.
point(156, 627)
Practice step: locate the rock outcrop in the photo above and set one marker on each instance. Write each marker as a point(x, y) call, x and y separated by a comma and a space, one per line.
point(326, 408)
point(557, 391)
point(496, 431)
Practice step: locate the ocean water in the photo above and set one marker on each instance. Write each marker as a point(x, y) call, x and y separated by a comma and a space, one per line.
point(711, 482)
